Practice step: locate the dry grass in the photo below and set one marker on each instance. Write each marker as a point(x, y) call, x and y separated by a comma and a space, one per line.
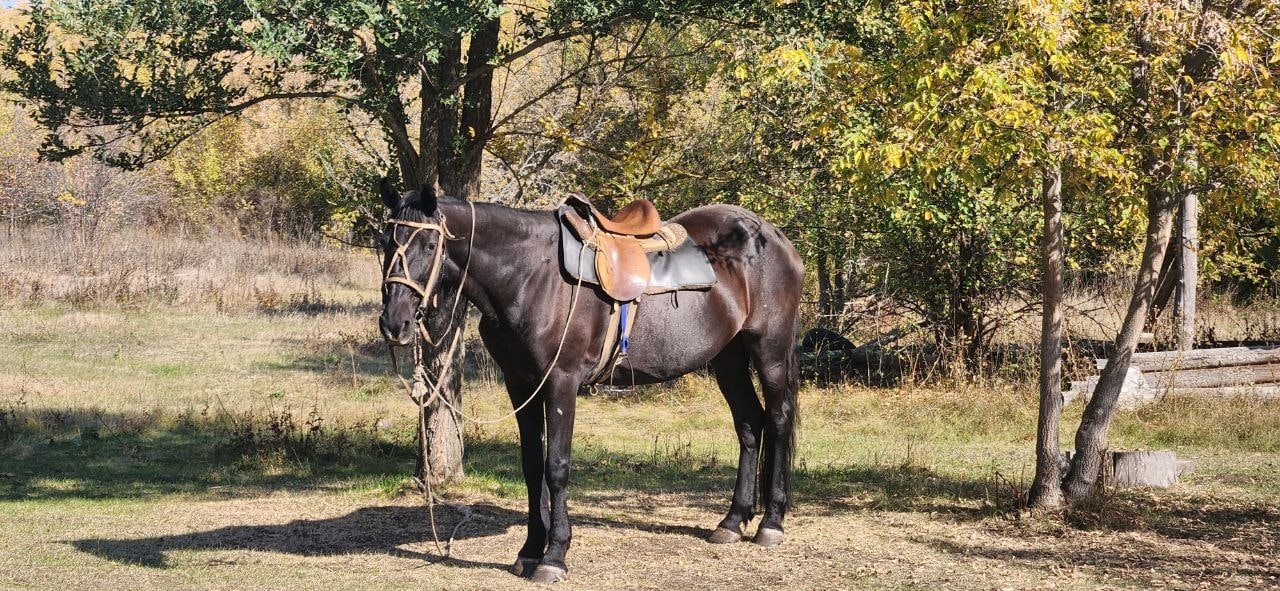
point(139, 268)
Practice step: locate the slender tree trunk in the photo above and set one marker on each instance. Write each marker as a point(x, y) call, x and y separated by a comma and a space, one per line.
point(1189, 244)
point(1199, 65)
point(1091, 438)
point(1046, 489)
point(824, 288)
point(1165, 288)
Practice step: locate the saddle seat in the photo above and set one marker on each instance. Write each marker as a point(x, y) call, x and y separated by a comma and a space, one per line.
point(638, 218)
point(622, 243)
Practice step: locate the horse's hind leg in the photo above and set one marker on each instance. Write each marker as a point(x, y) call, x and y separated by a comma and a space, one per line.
point(733, 374)
point(773, 356)
point(530, 420)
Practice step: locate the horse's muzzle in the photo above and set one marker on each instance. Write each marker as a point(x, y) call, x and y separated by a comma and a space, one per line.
point(398, 333)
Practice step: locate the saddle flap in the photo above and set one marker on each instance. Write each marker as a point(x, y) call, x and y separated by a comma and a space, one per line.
point(622, 267)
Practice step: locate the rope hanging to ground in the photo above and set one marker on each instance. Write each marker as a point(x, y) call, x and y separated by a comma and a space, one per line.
point(418, 390)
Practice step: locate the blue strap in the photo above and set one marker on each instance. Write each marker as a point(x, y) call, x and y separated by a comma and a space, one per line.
point(622, 328)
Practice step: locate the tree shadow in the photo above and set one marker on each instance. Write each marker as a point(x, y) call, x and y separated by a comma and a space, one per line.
point(1242, 526)
point(371, 359)
point(1231, 544)
point(369, 530)
point(1187, 540)
point(600, 475)
point(91, 454)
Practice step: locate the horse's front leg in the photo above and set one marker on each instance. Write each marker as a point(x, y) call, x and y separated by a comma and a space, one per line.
point(530, 420)
point(560, 402)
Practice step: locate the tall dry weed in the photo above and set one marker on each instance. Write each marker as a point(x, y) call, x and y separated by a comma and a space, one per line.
point(141, 268)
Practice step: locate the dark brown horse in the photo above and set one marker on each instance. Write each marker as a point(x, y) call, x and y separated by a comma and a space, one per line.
point(508, 262)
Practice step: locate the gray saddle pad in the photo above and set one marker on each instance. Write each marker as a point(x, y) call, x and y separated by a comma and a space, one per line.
point(686, 267)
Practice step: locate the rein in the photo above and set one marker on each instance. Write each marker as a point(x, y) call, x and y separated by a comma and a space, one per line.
point(417, 391)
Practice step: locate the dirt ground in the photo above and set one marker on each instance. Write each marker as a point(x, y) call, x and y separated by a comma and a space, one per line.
point(621, 541)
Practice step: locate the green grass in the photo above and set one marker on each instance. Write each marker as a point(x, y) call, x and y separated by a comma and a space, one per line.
point(120, 369)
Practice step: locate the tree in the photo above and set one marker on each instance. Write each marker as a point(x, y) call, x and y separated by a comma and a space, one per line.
point(935, 126)
point(130, 81)
point(1201, 80)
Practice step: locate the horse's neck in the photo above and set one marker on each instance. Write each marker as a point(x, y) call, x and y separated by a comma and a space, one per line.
point(497, 259)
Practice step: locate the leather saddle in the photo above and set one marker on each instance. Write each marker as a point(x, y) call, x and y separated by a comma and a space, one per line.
point(632, 253)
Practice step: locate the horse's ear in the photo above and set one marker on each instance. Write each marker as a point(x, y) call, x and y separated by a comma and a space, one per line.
point(390, 198)
point(427, 194)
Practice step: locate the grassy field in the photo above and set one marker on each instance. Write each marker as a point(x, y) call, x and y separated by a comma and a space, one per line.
point(248, 435)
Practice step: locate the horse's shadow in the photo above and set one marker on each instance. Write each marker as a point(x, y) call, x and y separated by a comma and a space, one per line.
point(369, 530)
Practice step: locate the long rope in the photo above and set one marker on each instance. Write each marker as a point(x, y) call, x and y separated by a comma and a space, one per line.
point(419, 371)
point(573, 305)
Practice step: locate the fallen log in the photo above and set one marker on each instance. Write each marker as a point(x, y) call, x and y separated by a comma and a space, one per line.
point(1259, 392)
point(1214, 377)
point(1136, 390)
point(1202, 358)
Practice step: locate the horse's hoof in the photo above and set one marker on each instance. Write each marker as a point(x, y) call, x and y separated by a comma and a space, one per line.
point(768, 537)
point(724, 535)
point(523, 567)
point(546, 574)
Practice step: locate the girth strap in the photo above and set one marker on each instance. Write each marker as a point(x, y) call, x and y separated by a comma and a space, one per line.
point(617, 338)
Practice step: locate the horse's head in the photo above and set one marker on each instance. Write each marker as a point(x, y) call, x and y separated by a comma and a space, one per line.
point(412, 258)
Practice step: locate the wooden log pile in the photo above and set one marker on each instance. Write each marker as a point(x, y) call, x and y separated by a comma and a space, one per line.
point(1203, 373)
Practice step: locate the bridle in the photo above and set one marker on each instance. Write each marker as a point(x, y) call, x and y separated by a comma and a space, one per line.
point(417, 391)
point(437, 263)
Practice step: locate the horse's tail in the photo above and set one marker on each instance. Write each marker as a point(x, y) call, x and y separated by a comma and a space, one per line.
point(790, 396)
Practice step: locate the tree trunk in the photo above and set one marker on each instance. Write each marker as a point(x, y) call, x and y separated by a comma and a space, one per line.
point(824, 288)
point(476, 116)
point(1046, 489)
point(1091, 437)
point(1200, 65)
point(440, 458)
point(460, 131)
point(1165, 288)
point(1189, 267)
